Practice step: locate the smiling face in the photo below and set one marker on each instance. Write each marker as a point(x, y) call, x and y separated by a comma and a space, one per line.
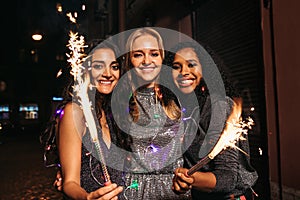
point(187, 70)
point(146, 58)
point(105, 70)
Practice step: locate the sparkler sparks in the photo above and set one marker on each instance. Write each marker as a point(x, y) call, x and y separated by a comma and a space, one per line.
point(82, 85)
point(234, 131)
point(59, 73)
point(76, 57)
point(71, 18)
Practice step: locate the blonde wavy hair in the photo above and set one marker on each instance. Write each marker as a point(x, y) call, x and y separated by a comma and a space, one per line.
point(171, 109)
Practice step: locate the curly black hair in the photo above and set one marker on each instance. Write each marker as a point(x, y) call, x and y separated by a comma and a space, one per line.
point(201, 89)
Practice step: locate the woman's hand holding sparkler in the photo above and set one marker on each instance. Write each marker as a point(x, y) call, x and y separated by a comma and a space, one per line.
point(108, 192)
point(185, 179)
point(182, 182)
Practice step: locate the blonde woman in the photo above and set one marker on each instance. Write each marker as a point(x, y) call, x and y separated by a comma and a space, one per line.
point(153, 128)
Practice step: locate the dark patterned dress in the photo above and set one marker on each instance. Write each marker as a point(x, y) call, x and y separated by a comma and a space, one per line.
point(91, 176)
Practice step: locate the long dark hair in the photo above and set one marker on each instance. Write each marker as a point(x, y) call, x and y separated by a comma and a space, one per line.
point(102, 101)
point(99, 101)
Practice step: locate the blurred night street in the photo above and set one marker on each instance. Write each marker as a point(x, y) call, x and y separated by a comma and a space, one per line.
point(23, 175)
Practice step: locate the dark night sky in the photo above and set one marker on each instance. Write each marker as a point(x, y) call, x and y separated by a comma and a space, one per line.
point(20, 20)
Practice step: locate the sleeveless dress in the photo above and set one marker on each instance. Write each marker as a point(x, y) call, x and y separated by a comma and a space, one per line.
point(156, 152)
point(91, 177)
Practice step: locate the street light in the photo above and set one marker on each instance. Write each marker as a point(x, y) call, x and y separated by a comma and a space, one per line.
point(37, 37)
point(34, 52)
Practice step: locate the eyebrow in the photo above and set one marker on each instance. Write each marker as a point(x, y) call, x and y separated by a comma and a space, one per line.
point(191, 60)
point(102, 62)
point(140, 50)
point(114, 62)
point(98, 61)
point(176, 63)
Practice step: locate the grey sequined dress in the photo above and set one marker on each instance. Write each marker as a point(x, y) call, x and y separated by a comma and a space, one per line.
point(156, 152)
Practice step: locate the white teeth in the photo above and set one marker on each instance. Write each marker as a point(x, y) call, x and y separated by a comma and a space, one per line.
point(186, 81)
point(147, 69)
point(105, 82)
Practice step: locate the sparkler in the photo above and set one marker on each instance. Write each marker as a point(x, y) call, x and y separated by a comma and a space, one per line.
point(76, 57)
point(234, 131)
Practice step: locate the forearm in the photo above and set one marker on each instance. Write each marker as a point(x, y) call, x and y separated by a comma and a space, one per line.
point(73, 191)
point(70, 144)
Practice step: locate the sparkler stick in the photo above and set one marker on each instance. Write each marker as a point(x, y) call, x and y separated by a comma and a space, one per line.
point(234, 131)
point(76, 58)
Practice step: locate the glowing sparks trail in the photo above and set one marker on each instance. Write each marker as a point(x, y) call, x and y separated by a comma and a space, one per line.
point(76, 57)
point(59, 73)
point(71, 18)
point(81, 87)
point(234, 131)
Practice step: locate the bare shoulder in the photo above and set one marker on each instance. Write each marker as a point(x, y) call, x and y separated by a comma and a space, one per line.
point(73, 109)
point(73, 118)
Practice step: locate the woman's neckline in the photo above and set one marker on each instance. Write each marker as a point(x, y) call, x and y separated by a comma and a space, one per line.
point(146, 91)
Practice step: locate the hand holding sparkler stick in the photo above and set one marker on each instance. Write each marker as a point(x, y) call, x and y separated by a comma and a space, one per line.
point(234, 131)
point(81, 88)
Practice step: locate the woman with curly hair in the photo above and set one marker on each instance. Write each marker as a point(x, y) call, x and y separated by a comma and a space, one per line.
point(229, 174)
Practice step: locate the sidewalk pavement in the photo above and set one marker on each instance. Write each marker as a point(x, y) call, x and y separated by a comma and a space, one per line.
point(23, 175)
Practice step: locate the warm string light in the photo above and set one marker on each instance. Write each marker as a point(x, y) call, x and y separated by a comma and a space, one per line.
point(134, 185)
